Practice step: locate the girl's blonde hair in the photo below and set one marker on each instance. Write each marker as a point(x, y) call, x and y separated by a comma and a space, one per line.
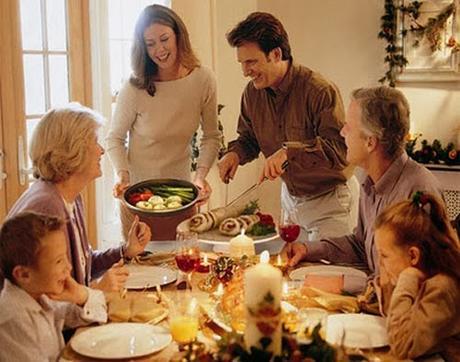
point(422, 222)
point(60, 142)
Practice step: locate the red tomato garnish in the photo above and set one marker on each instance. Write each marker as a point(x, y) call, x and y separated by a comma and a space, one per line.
point(145, 196)
point(266, 219)
point(134, 198)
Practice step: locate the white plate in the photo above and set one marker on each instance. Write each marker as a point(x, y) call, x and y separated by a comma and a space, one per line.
point(274, 247)
point(160, 247)
point(361, 330)
point(147, 276)
point(354, 279)
point(121, 340)
point(214, 237)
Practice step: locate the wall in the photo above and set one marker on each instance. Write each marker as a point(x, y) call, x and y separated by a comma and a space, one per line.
point(336, 38)
point(346, 49)
point(208, 39)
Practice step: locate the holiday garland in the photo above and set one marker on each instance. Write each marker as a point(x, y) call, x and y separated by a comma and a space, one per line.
point(432, 30)
point(231, 348)
point(433, 153)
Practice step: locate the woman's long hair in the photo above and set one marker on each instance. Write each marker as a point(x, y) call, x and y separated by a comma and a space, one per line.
point(144, 68)
point(423, 222)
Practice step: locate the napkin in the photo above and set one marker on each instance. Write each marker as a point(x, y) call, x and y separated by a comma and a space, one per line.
point(331, 301)
point(332, 283)
point(137, 307)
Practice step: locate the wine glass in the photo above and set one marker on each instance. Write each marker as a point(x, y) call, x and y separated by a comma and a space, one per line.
point(289, 230)
point(187, 254)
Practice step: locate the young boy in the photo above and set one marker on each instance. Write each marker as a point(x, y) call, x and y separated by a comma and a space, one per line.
point(39, 296)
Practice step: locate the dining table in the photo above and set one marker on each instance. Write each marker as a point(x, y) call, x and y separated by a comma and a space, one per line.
point(207, 333)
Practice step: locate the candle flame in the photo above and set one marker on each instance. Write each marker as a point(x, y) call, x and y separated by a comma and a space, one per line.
point(265, 257)
point(243, 231)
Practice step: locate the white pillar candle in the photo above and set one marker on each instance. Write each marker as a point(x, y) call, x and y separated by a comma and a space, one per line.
point(262, 297)
point(241, 245)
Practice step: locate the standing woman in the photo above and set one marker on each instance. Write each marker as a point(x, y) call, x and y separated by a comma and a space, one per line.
point(161, 106)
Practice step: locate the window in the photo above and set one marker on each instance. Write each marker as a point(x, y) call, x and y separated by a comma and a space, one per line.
point(45, 58)
point(112, 34)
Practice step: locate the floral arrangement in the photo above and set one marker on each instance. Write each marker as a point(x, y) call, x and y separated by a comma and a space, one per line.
point(432, 31)
point(432, 153)
point(231, 348)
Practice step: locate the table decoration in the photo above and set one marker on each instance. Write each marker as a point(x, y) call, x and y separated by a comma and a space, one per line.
point(221, 271)
point(241, 245)
point(262, 299)
point(231, 347)
point(309, 319)
point(281, 264)
point(205, 266)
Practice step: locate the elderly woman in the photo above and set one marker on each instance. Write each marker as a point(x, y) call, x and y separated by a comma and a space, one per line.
point(66, 156)
point(159, 109)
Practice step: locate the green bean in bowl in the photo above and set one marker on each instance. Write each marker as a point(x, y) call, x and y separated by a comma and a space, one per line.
point(157, 196)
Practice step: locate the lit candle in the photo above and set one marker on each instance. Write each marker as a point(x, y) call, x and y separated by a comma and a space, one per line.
point(241, 245)
point(204, 266)
point(262, 285)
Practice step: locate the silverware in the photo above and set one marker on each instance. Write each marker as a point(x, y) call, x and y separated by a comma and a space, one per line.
point(255, 186)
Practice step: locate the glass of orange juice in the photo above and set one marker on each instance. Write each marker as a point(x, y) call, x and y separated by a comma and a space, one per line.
point(183, 318)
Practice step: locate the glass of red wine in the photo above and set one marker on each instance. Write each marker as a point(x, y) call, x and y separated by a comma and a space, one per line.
point(289, 230)
point(187, 254)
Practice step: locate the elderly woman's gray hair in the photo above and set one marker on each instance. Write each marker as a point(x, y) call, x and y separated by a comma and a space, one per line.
point(60, 141)
point(385, 115)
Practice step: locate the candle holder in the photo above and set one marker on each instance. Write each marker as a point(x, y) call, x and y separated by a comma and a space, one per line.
point(218, 293)
point(224, 268)
point(280, 264)
point(204, 266)
point(208, 284)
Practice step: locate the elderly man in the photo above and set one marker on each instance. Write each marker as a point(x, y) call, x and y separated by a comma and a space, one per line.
point(290, 113)
point(377, 124)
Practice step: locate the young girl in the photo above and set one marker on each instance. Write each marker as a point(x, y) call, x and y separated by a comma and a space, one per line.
point(420, 253)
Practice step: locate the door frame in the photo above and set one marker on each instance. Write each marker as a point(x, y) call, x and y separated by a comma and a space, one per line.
point(12, 94)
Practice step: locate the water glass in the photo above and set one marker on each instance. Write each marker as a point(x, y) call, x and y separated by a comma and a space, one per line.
point(183, 318)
